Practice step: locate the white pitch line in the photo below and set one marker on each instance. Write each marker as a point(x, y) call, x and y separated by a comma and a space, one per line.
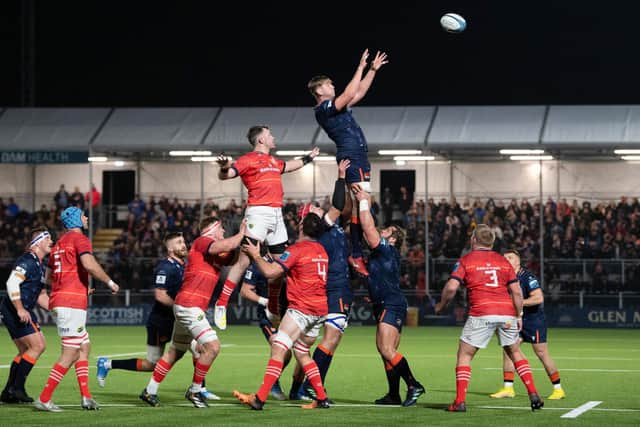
point(581, 409)
point(142, 352)
point(576, 370)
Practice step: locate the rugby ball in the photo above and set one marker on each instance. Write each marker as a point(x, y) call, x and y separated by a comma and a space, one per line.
point(453, 23)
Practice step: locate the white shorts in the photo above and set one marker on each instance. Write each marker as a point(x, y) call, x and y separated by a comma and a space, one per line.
point(266, 224)
point(478, 331)
point(310, 324)
point(71, 322)
point(191, 324)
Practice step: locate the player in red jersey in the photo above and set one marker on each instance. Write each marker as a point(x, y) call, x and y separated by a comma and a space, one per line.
point(70, 264)
point(261, 174)
point(305, 264)
point(495, 301)
point(207, 252)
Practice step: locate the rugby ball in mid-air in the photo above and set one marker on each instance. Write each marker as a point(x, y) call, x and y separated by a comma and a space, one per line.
point(453, 23)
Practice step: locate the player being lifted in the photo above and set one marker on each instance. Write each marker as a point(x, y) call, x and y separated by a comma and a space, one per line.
point(389, 303)
point(333, 114)
point(25, 289)
point(189, 308)
point(167, 281)
point(70, 264)
point(305, 264)
point(495, 307)
point(261, 174)
point(339, 293)
point(534, 331)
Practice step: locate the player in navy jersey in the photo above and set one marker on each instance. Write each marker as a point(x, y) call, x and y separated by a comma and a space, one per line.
point(534, 331)
point(339, 293)
point(25, 289)
point(168, 275)
point(255, 288)
point(389, 303)
point(333, 114)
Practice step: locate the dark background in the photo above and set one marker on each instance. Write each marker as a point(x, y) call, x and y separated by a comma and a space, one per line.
point(214, 53)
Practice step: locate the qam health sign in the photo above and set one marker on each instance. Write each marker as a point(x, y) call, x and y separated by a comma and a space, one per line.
point(40, 157)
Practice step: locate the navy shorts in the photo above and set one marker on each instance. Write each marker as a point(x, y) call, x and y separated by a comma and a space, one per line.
point(359, 170)
point(159, 330)
point(394, 316)
point(534, 330)
point(267, 329)
point(16, 328)
point(339, 301)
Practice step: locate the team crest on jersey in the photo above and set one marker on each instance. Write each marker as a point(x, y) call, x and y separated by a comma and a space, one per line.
point(284, 255)
point(161, 280)
point(200, 317)
point(250, 225)
point(80, 329)
point(398, 322)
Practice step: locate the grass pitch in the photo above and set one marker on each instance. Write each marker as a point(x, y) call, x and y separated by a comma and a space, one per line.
point(595, 365)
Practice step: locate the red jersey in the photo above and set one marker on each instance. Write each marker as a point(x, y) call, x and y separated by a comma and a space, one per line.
point(69, 279)
point(200, 276)
point(487, 276)
point(306, 264)
point(261, 174)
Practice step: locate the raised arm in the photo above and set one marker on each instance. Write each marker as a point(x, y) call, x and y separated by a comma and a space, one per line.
point(365, 84)
point(371, 234)
point(294, 165)
point(226, 171)
point(339, 193)
point(270, 270)
point(230, 243)
point(352, 88)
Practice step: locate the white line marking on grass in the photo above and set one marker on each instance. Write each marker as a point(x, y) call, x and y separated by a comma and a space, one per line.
point(140, 352)
point(581, 409)
point(577, 370)
point(519, 408)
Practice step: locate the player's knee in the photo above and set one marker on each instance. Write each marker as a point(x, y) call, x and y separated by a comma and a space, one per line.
point(154, 354)
point(281, 342)
point(209, 341)
point(300, 347)
point(38, 348)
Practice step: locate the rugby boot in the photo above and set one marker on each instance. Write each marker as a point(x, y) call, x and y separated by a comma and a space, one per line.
point(504, 392)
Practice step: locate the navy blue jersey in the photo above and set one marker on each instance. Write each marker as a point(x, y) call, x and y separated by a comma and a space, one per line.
point(528, 283)
point(384, 275)
point(167, 275)
point(342, 129)
point(254, 277)
point(33, 270)
point(335, 244)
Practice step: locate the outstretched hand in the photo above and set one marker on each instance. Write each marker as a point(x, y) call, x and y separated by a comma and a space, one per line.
point(379, 60)
point(314, 153)
point(360, 193)
point(223, 161)
point(250, 249)
point(363, 58)
point(342, 168)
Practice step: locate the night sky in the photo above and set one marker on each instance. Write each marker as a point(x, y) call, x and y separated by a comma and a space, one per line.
point(210, 53)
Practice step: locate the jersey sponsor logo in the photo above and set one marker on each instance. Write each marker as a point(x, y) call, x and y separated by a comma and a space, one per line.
point(80, 329)
point(161, 279)
point(248, 275)
point(284, 255)
point(21, 270)
point(533, 283)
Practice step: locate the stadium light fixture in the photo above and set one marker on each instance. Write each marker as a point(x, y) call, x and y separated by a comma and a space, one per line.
point(413, 158)
point(186, 153)
point(292, 152)
point(399, 152)
point(325, 159)
point(531, 158)
point(631, 158)
point(519, 151)
point(627, 151)
point(97, 159)
point(400, 163)
point(118, 163)
point(204, 159)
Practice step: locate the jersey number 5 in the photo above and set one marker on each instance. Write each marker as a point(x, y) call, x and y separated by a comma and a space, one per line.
point(322, 270)
point(57, 263)
point(494, 278)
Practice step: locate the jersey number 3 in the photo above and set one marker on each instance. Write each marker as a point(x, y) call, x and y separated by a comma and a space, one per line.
point(494, 278)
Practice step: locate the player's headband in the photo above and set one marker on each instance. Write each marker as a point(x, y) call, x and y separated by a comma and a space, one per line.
point(40, 237)
point(211, 229)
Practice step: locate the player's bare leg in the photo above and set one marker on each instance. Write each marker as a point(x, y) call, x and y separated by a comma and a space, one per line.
point(233, 278)
point(542, 351)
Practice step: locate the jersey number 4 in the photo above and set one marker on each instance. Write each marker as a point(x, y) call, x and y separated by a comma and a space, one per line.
point(494, 278)
point(322, 270)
